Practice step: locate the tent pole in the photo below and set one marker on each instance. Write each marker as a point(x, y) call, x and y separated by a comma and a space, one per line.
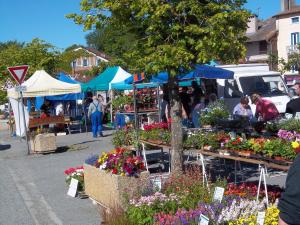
point(84, 114)
point(111, 107)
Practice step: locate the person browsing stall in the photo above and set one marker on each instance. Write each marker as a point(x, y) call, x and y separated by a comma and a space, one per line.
point(293, 106)
point(265, 109)
point(95, 114)
point(243, 109)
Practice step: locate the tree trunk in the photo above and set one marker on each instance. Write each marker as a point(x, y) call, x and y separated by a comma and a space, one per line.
point(176, 128)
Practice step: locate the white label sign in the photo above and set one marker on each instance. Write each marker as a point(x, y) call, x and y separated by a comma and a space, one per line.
point(297, 115)
point(73, 187)
point(20, 88)
point(203, 220)
point(218, 194)
point(157, 183)
point(260, 218)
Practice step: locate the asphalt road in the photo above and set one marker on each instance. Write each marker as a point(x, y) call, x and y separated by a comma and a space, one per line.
point(33, 189)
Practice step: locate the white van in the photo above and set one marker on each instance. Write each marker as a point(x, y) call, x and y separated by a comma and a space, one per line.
point(253, 78)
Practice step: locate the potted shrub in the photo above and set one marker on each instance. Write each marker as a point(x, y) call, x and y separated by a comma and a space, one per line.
point(214, 112)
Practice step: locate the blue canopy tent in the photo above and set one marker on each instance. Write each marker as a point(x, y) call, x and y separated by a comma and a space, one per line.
point(127, 84)
point(208, 72)
point(162, 78)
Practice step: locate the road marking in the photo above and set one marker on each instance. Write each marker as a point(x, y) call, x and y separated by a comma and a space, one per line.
point(30, 200)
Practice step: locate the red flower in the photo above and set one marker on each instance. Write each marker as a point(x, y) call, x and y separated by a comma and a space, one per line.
point(114, 171)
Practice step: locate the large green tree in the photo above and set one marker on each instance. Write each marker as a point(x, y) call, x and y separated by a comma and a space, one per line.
point(115, 41)
point(172, 36)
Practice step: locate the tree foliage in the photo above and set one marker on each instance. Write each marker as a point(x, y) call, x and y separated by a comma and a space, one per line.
point(172, 36)
point(115, 41)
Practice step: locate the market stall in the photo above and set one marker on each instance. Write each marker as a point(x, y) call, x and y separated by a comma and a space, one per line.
point(39, 84)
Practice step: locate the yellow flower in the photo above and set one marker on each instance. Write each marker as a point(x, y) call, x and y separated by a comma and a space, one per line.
point(295, 144)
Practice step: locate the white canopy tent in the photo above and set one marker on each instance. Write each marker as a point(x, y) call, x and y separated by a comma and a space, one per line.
point(42, 84)
point(39, 84)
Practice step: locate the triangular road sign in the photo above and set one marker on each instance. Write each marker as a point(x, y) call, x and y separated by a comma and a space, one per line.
point(18, 72)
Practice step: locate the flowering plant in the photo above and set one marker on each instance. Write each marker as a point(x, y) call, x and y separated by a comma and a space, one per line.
point(217, 212)
point(152, 126)
point(121, 162)
point(256, 144)
point(237, 144)
point(249, 190)
point(214, 112)
point(272, 214)
point(156, 131)
point(76, 173)
point(296, 146)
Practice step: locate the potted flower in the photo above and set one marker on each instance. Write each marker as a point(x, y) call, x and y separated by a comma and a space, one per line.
point(213, 113)
point(239, 145)
point(75, 173)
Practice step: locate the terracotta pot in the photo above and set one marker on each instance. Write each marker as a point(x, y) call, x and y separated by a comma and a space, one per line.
point(155, 141)
point(244, 153)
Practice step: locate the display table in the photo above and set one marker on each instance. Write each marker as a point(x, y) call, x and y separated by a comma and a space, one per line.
point(43, 143)
point(37, 122)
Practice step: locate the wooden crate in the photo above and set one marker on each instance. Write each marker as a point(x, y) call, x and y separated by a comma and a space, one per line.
point(112, 190)
point(43, 143)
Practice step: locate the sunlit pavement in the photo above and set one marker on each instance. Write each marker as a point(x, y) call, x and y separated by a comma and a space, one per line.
point(32, 187)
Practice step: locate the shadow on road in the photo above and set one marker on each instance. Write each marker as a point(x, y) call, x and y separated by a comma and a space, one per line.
point(4, 147)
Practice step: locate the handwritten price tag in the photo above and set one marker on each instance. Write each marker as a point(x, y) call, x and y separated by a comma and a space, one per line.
point(73, 188)
point(203, 220)
point(218, 194)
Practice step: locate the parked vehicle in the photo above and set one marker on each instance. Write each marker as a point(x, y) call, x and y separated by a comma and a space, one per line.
point(253, 78)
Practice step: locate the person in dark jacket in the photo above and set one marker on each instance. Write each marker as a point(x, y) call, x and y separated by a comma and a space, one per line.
point(289, 203)
point(293, 106)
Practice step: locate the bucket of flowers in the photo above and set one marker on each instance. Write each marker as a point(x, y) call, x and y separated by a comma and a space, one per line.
point(114, 176)
point(78, 174)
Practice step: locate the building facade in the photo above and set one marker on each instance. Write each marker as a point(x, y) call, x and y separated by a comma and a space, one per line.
point(288, 28)
point(86, 63)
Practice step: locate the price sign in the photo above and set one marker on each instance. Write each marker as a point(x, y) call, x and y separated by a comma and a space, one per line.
point(73, 187)
point(218, 194)
point(203, 220)
point(157, 183)
point(260, 218)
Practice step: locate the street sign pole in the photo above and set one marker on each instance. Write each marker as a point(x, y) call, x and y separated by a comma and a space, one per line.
point(19, 73)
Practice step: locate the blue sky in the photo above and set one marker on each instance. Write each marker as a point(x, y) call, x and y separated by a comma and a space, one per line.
point(23, 20)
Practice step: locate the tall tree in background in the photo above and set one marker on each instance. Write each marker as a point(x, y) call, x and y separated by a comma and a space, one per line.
point(173, 36)
point(114, 40)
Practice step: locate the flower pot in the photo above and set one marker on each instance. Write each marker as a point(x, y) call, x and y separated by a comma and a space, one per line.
point(112, 190)
point(244, 153)
point(154, 141)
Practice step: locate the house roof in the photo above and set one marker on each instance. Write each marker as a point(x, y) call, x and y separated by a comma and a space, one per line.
point(295, 9)
point(266, 29)
point(97, 53)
